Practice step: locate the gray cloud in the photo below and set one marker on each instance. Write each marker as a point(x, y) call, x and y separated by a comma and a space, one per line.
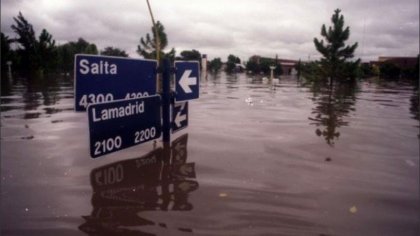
point(219, 28)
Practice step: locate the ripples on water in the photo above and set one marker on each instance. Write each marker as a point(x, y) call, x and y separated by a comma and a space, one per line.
point(257, 159)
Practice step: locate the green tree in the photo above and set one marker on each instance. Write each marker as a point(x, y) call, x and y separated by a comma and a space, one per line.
point(35, 54)
point(111, 51)
point(192, 55)
point(231, 63)
point(27, 43)
point(389, 70)
point(253, 66)
point(67, 51)
point(47, 51)
point(6, 52)
point(215, 65)
point(335, 53)
point(147, 47)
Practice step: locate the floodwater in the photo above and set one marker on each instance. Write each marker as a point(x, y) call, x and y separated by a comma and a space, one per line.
point(256, 159)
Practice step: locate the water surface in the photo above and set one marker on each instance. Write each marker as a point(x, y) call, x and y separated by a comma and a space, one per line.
point(257, 159)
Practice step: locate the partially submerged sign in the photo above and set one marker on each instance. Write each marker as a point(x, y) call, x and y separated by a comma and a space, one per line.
point(103, 79)
point(119, 96)
point(121, 124)
point(179, 116)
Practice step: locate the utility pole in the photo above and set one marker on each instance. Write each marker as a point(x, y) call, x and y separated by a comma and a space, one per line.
point(159, 77)
point(163, 83)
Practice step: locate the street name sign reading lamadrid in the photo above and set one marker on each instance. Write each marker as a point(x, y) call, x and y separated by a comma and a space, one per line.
point(103, 79)
point(187, 80)
point(121, 124)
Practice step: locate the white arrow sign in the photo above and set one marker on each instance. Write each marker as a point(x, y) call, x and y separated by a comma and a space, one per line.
point(180, 118)
point(186, 81)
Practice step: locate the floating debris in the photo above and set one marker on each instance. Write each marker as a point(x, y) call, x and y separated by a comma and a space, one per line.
point(28, 137)
point(222, 194)
point(353, 209)
point(328, 159)
point(249, 101)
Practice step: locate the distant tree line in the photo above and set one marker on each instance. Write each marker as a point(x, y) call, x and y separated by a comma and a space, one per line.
point(262, 66)
point(31, 54)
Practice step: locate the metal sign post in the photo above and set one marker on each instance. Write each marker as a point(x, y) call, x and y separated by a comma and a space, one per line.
point(166, 100)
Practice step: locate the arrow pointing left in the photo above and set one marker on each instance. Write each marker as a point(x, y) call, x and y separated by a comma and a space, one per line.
point(186, 81)
point(180, 118)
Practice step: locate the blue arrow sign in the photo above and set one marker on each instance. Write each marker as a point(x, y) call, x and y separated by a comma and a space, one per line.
point(187, 78)
point(179, 116)
point(103, 79)
point(121, 124)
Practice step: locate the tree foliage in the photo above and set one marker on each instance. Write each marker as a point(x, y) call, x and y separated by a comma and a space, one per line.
point(232, 60)
point(263, 66)
point(41, 54)
point(253, 66)
point(111, 51)
point(67, 51)
point(147, 47)
point(334, 63)
point(47, 51)
point(6, 52)
point(27, 43)
point(215, 65)
point(192, 55)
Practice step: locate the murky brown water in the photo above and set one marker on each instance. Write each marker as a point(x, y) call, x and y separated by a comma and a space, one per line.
point(255, 160)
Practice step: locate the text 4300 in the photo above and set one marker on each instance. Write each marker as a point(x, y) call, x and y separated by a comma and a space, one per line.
point(87, 99)
point(95, 98)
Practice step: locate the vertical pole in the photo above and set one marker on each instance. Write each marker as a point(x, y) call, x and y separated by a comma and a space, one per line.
point(156, 32)
point(166, 99)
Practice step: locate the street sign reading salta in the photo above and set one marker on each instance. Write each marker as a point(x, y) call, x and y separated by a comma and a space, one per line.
point(187, 77)
point(124, 123)
point(103, 79)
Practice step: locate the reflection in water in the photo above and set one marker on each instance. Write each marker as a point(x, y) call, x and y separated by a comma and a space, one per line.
point(332, 105)
point(158, 181)
point(415, 106)
point(35, 97)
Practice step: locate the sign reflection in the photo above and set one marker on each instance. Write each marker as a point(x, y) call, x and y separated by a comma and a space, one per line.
point(158, 181)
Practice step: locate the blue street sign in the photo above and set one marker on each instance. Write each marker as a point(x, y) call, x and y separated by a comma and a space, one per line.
point(121, 124)
point(187, 78)
point(103, 79)
point(179, 116)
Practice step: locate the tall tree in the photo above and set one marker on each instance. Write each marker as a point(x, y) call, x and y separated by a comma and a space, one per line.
point(147, 47)
point(47, 51)
point(231, 63)
point(335, 53)
point(215, 64)
point(111, 51)
point(67, 51)
point(5, 51)
point(27, 43)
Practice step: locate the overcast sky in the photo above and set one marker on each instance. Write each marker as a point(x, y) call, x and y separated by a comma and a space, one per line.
point(220, 27)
